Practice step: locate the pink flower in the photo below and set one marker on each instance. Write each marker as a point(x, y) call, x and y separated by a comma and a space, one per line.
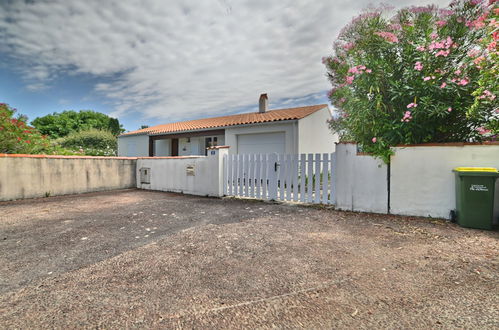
point(450, 109)
point(444, 53)
point(388, 36)
point(396, 27)
point(483, 131)
point(349, 80)
point(458, 72)
point(407, 117)
point(348, 46)
point(426, 78)
point(420, 48)
point(488, 94)
point(353, 70)
point(463, 82)
point(412, 105)
point(418, 66)
point(374, 139)
point(443, 85)
point(441, 23)
point(369, 70)
point(434, 36)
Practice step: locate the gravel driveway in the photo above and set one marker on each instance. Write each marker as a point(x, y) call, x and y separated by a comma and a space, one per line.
point(142, 259)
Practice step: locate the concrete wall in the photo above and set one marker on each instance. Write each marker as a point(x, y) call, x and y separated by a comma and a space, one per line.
point(30, 176)
point(290, 130)
point(170, 174)
point(422, 178)
point(360, 181)
point(315, 135)
point(133, 146)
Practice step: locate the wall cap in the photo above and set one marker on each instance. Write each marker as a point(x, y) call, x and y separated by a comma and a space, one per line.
point(218, 147)
point(62, 156)
point(441, 144)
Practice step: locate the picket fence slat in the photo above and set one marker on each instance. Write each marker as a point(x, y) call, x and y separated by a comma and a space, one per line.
point(325, 176)
point(294, 161)
point(303, 162)
point(310, 170)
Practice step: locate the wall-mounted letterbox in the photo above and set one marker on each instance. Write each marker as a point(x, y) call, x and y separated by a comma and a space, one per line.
point(190, 169)
point(145, 175)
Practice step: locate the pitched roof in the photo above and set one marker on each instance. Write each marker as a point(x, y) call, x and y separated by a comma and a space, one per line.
point(233, 120)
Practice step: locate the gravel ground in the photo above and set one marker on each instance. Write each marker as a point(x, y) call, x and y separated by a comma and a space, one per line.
point(142, 259)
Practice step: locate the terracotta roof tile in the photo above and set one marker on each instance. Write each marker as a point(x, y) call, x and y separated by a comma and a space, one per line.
point(233, 120)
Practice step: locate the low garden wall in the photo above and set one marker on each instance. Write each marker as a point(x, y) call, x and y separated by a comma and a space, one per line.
point(421, 179)
point(194, 175)
point(29, 176)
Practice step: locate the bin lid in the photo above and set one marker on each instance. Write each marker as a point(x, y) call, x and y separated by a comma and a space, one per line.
point(476, 169)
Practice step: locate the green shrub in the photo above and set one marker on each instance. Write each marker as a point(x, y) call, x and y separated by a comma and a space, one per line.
point(423, 75)
point(91, 142)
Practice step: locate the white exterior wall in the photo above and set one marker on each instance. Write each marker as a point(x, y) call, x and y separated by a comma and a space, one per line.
point(360, 181)
point(133, 146)
point(315, 135)
point(290, 130)
point(422, 181)
point(170, 174)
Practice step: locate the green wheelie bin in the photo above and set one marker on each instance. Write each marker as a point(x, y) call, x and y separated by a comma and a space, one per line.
point(475, 196)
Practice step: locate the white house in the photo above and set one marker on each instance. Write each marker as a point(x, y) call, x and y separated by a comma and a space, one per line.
point(284, 131)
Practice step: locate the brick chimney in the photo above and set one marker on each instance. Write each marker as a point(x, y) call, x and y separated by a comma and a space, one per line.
point(263, 104)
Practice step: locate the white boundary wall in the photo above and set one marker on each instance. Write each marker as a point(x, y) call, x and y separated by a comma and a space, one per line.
point(422, 181)
point(170, 173)
point(31, 176)
point(361, 183)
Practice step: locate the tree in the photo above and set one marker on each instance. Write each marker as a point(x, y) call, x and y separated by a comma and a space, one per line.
point(61, 124)
point(17, 137)
point(415, 77)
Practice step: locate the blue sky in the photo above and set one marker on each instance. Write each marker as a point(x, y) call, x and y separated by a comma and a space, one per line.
point(155, 61)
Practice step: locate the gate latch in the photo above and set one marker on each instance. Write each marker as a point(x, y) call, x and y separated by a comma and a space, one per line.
point(276, 165)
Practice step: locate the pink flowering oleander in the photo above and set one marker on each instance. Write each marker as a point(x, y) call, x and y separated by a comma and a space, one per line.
point(374, 139)
point(426, 78)
point(420, 48)
point(349, 79)
point(388, 36)
point(418, 66)
point(444, 53)
point(463, 82)
point(407, 117)
point(440, 23)
point(412, 105)
point(348, 46)
point(443, 85)
point(396, 27)
point(449, 109)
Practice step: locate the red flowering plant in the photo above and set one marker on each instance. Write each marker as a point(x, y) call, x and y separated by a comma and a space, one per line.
point(407, 79)
point(17, 137)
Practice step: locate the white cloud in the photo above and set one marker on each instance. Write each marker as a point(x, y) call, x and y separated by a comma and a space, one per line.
point(177, 59)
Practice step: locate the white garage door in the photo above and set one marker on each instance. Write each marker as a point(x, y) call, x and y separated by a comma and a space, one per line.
point(264, 143)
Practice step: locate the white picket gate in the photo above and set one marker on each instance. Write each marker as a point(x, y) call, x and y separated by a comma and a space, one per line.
point(305, 178)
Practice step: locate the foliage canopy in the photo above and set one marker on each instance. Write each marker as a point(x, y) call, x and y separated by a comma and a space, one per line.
point(423, 75)
point(58, 125)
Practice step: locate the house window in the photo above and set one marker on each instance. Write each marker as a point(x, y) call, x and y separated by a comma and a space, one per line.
point(210, 141)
